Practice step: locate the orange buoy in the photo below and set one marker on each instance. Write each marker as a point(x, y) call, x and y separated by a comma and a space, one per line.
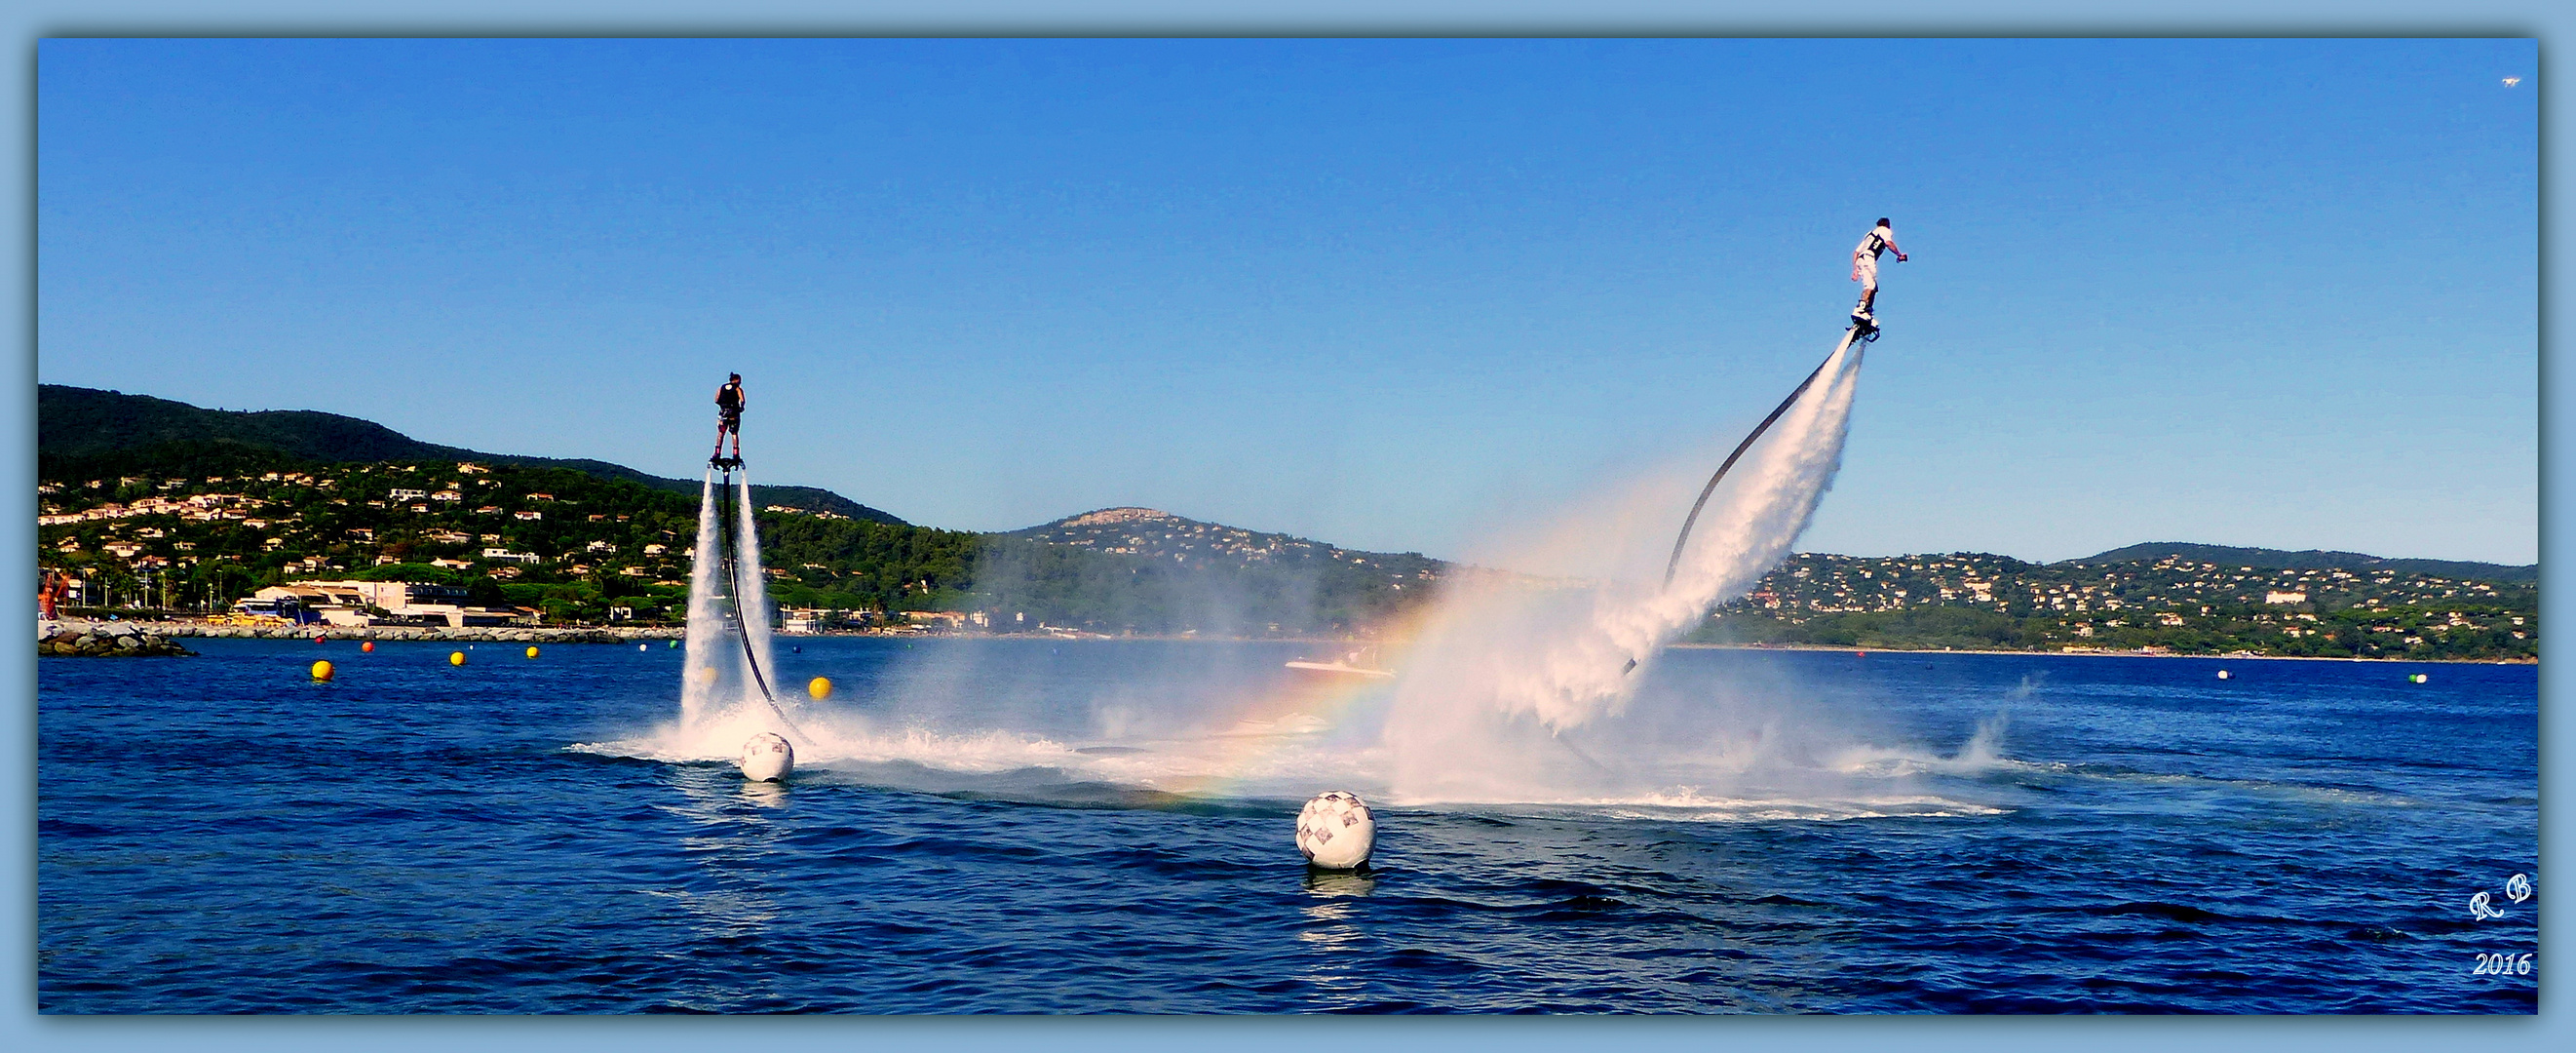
point(369, 646)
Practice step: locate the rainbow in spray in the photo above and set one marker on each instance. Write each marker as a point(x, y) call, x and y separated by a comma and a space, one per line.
point(1500, 675)
point(1497, 693)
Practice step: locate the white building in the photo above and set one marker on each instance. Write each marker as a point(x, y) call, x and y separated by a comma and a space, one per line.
point(402, 602)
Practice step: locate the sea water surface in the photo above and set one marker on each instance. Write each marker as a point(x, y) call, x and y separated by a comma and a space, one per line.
point(1106, 826)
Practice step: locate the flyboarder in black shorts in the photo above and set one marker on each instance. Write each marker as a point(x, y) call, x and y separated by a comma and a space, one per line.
point(729, 417)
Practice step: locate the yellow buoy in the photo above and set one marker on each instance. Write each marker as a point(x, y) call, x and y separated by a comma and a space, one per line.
point(532, 652)
point(706, 674)
point(321, 670)
point(369, 647)
point(456, 658)
point(820, 687)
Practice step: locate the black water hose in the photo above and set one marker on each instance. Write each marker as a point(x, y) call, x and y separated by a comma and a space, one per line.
point(1679, 543)
point(1674, 566)
point(733, 584)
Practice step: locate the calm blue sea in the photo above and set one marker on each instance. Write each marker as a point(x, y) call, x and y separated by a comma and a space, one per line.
point(1033, 826)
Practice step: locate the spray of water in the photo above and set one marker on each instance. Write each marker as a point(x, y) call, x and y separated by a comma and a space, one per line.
point(730, 688)
point(1503, 696)
point(750, 589)
point(722, 703)
point(707, 637)
point(1501, 674)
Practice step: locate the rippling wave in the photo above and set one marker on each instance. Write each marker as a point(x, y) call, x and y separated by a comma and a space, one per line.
point(1030, 827)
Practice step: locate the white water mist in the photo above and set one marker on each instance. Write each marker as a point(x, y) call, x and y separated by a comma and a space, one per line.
point(721, 699)
point(1500, 674)
point(707, 639)
point(750, 588)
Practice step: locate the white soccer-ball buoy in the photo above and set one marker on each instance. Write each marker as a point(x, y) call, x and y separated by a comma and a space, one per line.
point(767, 758)
point(1335, 832)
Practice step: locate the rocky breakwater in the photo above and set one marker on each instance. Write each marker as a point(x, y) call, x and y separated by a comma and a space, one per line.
point(102, 640)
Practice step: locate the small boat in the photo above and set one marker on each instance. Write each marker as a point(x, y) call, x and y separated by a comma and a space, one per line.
point(1361, 663)
point(1292, 724)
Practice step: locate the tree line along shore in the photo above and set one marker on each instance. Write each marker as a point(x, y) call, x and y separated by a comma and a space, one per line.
point(2176, 603)
point(580, 553)
point(2086, 652)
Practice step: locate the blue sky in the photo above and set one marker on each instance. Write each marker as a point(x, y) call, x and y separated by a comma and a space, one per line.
point(1386, 293)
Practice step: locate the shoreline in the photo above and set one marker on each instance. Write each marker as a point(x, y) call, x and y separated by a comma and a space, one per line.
point(632, 634)
point(469, 634)
point(2233, 655)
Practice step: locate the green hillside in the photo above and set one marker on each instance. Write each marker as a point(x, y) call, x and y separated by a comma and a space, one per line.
point(154, 504)
point(2314, 559)
point(1977, 601)
point(585, 548)
point(86, 433)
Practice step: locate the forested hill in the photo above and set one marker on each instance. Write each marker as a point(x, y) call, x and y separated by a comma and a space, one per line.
point(2168, 602)
point(89, 432)
point(149, 502)
point(1140, 567)
point(1158, 535)
point(2314, 559)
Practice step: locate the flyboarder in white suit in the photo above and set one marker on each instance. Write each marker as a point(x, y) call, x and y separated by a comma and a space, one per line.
point(1865, 268)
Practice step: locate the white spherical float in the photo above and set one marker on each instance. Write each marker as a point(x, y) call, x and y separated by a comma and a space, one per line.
point(767, 758)
point(1334, 831)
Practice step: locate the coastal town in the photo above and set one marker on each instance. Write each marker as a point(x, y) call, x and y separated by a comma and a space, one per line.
point(466, 547)
point(2167, 604)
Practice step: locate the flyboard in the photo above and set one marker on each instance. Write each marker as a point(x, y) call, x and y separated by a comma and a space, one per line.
point(727, 550)
point(1860, 331)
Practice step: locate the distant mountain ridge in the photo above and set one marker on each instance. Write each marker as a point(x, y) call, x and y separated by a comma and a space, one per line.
point(77, 427)
point(2314, 559)
point(92, 432)
point(1155, 534)
point(1144, 567)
